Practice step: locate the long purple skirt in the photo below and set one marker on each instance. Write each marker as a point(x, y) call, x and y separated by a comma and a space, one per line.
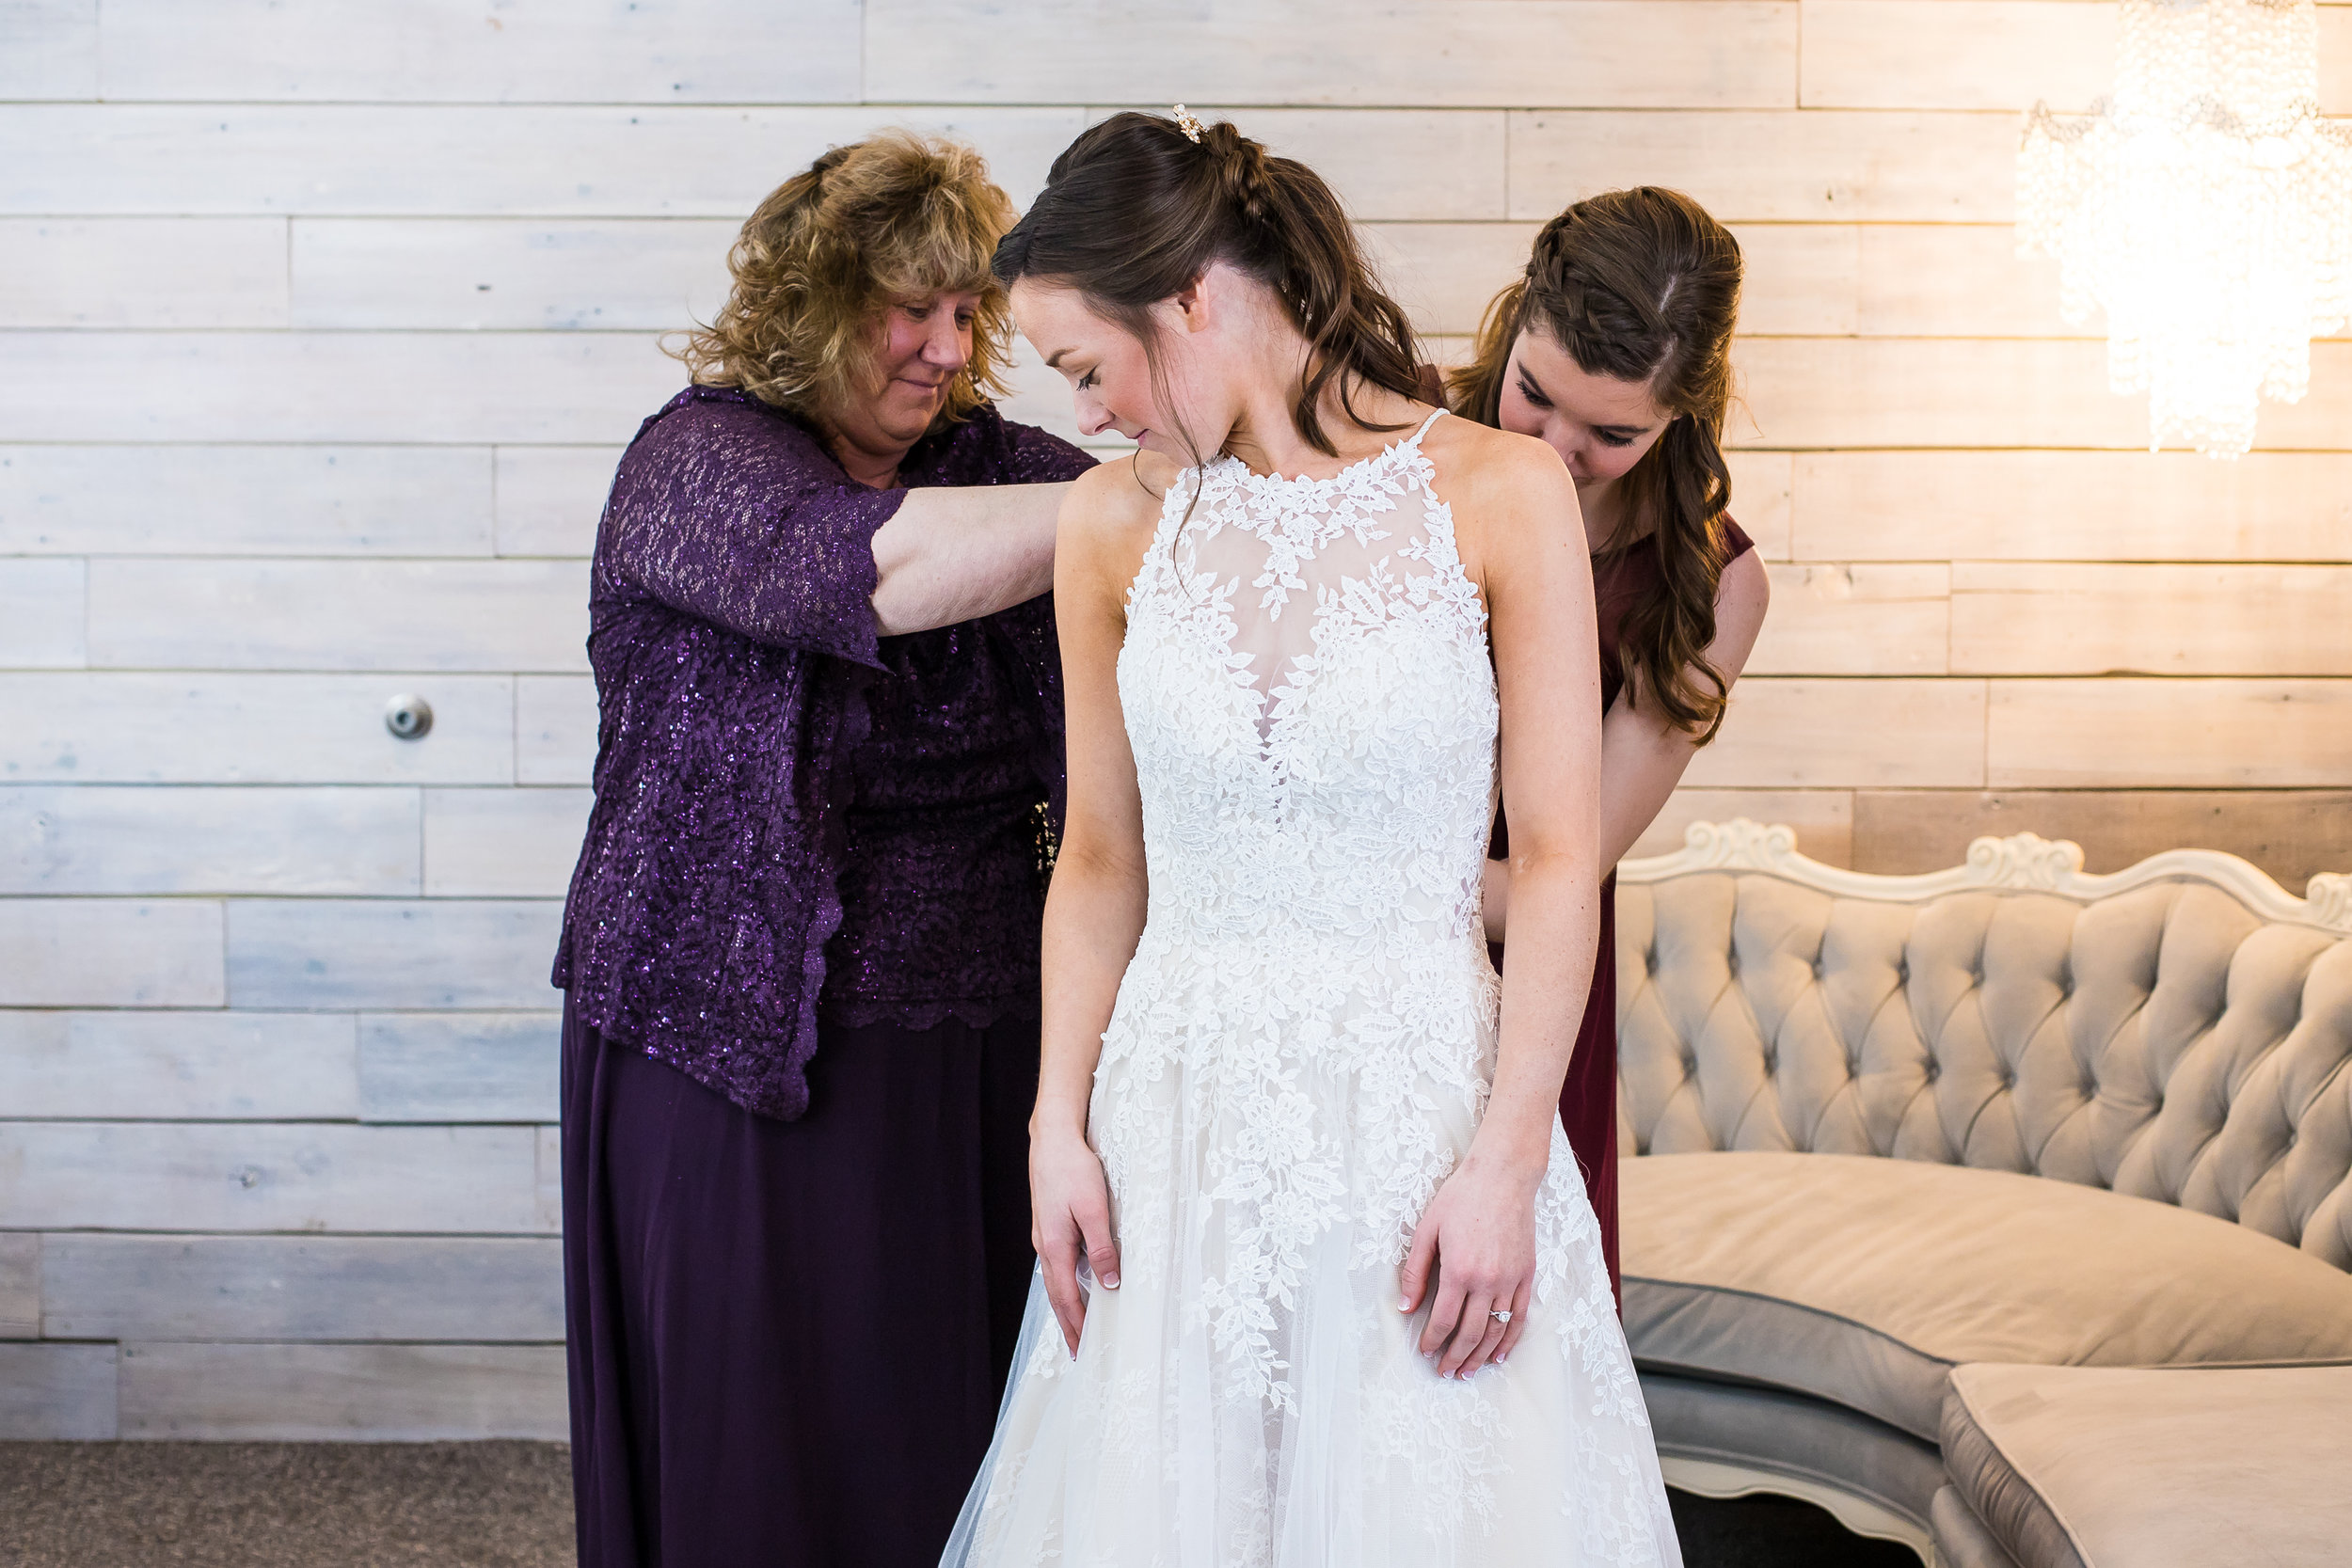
point(787, 1339)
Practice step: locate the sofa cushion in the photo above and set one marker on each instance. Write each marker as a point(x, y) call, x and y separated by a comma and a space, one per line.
point(1864, 1280)
point(1960, 1539)
point(2096, 1467)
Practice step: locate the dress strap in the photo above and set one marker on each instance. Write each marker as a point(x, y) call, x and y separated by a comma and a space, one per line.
point(1433, 419)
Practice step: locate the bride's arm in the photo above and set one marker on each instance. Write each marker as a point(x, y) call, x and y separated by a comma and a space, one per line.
point(1522, 539)
point(1094, 910)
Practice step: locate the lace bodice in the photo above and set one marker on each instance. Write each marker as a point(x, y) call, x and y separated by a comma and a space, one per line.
point(1329, 781)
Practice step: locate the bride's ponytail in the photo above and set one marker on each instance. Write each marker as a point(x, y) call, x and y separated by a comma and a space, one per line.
point(1136, 209)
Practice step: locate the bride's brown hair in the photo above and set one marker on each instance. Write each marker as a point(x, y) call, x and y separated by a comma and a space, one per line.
point(1643, 286)
point(1136, 210)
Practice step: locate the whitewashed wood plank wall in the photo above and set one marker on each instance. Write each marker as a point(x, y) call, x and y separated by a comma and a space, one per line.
point(322, 325)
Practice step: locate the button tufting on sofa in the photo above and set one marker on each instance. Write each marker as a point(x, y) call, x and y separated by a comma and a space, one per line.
point(2163, 1177)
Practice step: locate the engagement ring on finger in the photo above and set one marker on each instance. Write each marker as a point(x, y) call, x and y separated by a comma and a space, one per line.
point(1501, 1317)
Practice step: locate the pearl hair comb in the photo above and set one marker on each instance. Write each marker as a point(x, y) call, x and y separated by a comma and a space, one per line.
point(1186, 123)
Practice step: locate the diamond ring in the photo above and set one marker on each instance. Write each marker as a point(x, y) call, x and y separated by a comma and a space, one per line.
point(1501, 1317)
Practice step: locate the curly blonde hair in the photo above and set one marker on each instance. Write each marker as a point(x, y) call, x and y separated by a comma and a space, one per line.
point(894, 217)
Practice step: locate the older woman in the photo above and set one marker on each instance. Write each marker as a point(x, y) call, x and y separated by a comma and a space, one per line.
point(801, 944)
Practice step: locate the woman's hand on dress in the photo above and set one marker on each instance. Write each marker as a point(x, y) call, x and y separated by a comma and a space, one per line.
point(1071, 1203)
point(1475, 1249)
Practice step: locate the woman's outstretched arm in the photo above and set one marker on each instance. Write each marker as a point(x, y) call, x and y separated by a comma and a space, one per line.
point(956, 553)
point(1095, 907)
point(1522, 540)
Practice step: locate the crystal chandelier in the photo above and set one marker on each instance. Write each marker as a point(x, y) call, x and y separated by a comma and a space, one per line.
point(2206, 206)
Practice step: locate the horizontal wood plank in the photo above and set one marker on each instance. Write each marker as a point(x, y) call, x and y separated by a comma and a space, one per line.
point(1823, 818)
point(1956, 54)
point(41, 614)
point(569, 160)
point(19, 1285)
point(48, 48)
point(502, 843)
point(110, 952)
point(446, 615)
point(1445, 273)
point(106, 499)
point(555, 729)
point(1799, 734)
point(392, 952)
point(1959, 280)
point(57, 1393)
point(1441, 53)
point(269, 1176)
point(2055, 618)
point(2290, 833)
point(1385, 166)
point(2071, 506)
point(1827, 166)
point(646, 52)
point(459, 1068)
point(1856, 619)
point(550, 498)
point(548, 1193)
point(343, 1393)
point(1993, 55)
point(1761, 495)
point(1833, 392)
point(142, 272)
point(137, 839)
point(445, 274)
point(428, 387)
point(2169, 734)
point(473, 1290)
point(101, 727)
point(121, 1065)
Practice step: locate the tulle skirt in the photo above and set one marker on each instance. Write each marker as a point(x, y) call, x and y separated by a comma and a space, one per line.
point(1250, 1397)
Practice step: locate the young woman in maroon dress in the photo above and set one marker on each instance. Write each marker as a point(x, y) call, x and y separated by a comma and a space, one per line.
point(1614, 348)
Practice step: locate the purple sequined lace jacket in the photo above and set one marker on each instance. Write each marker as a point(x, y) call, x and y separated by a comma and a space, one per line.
point(732, 635)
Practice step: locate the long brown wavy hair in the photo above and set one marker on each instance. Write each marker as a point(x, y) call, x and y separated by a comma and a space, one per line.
point(1134, 211)
point(894, 217)
point(1644, 286)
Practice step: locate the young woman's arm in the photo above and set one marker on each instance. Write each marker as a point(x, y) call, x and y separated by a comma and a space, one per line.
point(1642, 756)
point(1094, 910)
point(1522, 540)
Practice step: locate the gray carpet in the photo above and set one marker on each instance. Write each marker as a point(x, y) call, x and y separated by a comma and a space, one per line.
point(508, 1505)
point(285, 1505)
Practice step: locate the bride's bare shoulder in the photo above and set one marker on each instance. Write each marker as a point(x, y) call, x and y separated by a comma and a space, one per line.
point(1472, 454)
point(1508, 494)
point(1111, 513)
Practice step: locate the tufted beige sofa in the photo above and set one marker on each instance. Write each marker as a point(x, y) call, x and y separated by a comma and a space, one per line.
point(1945, 1193)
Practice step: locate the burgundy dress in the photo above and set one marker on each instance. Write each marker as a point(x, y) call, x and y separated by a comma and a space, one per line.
point(1588, 1099)
point(801, 1039)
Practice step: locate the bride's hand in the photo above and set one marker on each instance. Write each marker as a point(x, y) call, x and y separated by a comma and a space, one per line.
point(1071, 1203)
point(1478, 1238)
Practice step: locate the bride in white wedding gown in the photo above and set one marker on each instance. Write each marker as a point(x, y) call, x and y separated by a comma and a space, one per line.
point(1320, 1286)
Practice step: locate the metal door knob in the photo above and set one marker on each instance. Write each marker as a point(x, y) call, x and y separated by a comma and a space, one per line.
point(409, 716)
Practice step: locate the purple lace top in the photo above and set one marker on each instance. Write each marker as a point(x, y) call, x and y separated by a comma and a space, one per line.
point(788, 808)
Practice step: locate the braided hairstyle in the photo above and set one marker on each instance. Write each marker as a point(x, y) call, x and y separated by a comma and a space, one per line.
point(1134, 211)
point(1643, 286)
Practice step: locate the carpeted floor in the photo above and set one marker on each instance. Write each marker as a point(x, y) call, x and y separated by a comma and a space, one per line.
point(507, 1505)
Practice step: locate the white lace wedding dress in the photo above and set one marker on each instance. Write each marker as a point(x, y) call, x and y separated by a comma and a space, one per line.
point(1300, 1051)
